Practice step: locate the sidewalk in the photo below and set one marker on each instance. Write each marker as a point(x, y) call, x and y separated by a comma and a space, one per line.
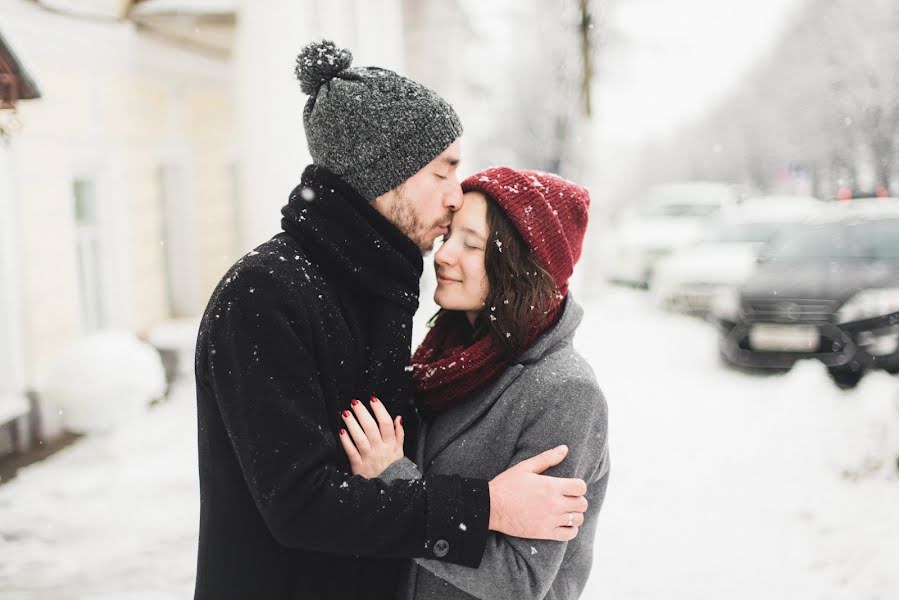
point(110, 517)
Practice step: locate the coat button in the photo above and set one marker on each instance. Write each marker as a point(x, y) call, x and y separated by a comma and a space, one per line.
point(441, 548)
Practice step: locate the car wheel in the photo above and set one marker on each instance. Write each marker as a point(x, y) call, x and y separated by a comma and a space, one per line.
point(891, 365)
point(845, 379)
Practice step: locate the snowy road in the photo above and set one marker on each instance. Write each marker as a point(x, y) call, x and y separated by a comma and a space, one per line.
point(728, 486)
point(723, 485)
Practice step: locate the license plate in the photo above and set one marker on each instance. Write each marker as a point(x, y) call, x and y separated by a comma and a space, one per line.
point(771, 337)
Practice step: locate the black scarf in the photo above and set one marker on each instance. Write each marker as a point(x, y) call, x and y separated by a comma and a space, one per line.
point(376, 265)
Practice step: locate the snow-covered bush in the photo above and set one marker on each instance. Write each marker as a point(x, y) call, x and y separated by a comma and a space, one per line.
point(103, 379)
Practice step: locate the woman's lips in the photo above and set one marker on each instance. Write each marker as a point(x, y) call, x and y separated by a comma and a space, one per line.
point(445, 281)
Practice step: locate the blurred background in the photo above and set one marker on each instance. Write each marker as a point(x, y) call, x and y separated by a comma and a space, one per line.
point(740, 278)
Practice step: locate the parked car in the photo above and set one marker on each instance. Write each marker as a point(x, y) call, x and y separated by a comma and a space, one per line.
point(725, 255)
point(828, 290)
point(672, 216)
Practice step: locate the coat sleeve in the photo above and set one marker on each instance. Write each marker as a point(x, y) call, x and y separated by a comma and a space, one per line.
point(254, 356)
point(571, 412)
point(401, 469)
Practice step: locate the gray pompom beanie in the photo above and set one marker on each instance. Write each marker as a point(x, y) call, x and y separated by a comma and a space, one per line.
point(369, 126)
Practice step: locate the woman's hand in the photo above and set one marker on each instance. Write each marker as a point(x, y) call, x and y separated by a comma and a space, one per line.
point(373, 443)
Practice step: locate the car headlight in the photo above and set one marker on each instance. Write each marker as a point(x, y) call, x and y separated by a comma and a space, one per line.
point(869, 303)
point(726, 304)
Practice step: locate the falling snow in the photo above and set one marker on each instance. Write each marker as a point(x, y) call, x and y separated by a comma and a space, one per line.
point(822, 528)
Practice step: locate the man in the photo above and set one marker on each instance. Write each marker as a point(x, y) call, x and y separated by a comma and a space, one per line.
point(318, 317)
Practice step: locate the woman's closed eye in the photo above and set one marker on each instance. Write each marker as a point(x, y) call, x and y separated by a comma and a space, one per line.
point(467, 244)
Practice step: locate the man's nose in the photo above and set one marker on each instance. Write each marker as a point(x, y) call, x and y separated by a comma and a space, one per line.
point(453, 198)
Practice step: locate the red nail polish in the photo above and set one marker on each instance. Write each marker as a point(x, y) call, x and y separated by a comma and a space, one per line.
point(343, 432)
point(346, 413)
point(374, 399)
point(354, 402)
point(401, 420)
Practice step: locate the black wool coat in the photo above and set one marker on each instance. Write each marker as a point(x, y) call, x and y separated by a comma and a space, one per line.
point(315, 317)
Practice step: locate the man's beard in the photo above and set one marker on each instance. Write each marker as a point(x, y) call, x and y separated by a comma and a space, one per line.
point(402, 214)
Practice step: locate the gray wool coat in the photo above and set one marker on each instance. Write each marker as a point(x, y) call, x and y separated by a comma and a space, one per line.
point(549, 397)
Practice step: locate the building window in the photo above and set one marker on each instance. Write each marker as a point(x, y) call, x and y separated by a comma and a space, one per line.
point(88, 253)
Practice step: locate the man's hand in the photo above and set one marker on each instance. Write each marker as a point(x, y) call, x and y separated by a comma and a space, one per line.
point(525, 504)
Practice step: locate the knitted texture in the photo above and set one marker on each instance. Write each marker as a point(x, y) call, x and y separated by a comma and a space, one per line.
point(351, 242)
point(549, 212)
point(370, 126)
point(551, 215)
point(446, 371)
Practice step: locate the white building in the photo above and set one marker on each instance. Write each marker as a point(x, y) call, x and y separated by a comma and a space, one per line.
point(117, 196)
point(168, 137)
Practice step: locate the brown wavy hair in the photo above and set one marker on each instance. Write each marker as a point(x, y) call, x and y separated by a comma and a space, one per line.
point(520, 290)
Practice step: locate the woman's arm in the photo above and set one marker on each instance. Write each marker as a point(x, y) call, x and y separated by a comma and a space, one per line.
point(572, 412)
point(401, 469)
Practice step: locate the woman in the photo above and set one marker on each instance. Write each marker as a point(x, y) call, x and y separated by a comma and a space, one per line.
point(497, 380)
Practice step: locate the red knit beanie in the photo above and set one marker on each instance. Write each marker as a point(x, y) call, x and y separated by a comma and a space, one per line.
point(549, 212)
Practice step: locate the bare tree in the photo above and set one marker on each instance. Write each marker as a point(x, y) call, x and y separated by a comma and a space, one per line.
point(824, 101)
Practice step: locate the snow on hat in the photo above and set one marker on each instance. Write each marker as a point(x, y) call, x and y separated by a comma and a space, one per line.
point(369, 126)
point(549, 212)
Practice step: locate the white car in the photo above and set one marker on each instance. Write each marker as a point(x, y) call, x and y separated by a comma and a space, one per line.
point(672, 217)
point(726, 254)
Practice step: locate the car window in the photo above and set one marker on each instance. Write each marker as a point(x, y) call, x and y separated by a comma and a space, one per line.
point(741, 232)
point(691, 194)
point(879, 239)
point(860, 240)
point(679, 210)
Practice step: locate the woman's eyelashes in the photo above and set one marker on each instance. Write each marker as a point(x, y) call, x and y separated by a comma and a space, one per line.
point(467, 243)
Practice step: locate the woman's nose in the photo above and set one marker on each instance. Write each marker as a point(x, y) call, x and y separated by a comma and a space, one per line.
point(444, 255)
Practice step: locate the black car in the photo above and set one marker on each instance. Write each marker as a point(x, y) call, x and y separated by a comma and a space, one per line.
point(828, 290)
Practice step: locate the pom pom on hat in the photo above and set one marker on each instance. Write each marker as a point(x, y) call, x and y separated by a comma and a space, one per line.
point(369, 126)
point(318, 63)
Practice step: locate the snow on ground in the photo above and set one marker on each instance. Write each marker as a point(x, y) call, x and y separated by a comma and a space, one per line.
point(102, 379)
point(723, 485)
point(112, 517)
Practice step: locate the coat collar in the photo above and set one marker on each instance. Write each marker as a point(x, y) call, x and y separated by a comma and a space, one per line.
point(561, 332)
point(458, 419)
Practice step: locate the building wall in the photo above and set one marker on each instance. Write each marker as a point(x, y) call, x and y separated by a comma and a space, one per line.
point(269, 104)
point(11, 342)
point(118, 106)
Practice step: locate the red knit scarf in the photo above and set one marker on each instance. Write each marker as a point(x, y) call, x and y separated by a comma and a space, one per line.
point(447, 368)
